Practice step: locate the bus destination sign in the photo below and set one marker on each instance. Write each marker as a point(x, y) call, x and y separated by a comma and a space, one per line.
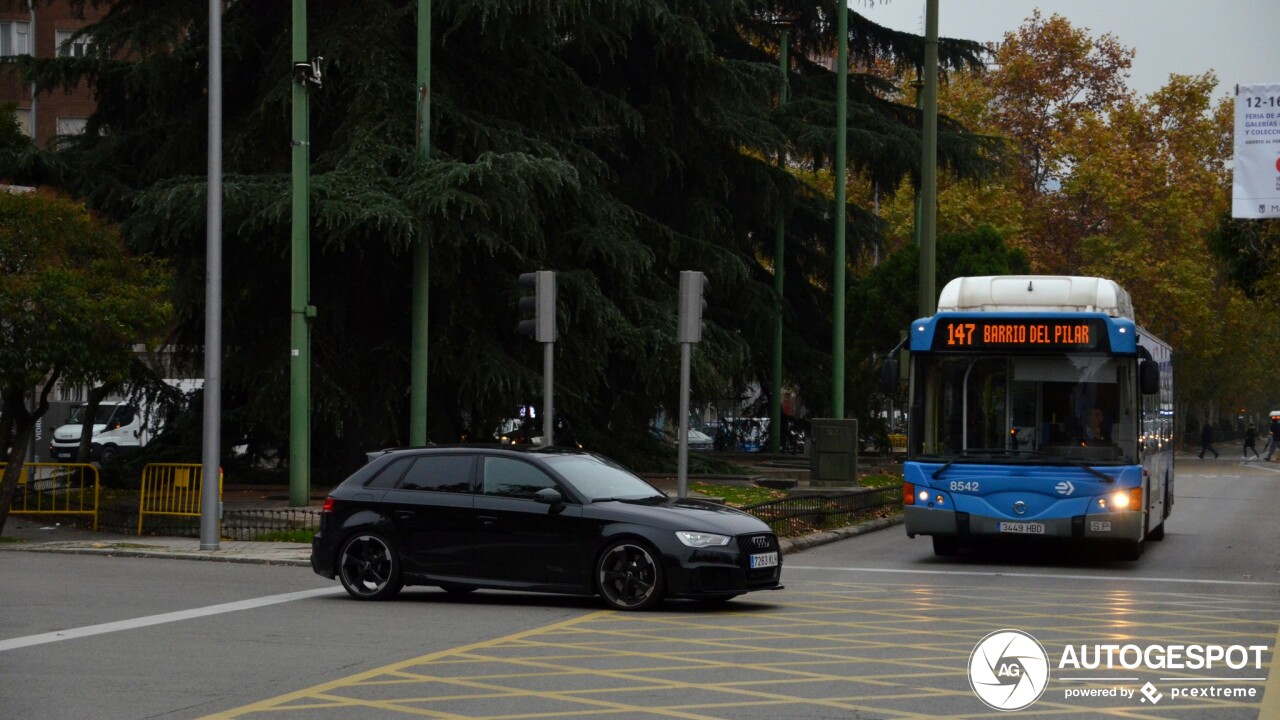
point(970, 333)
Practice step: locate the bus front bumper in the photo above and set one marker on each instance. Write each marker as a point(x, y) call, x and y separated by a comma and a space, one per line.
point(1125, 525)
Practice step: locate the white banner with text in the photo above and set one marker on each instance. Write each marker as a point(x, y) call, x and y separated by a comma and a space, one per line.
point(1256, 186)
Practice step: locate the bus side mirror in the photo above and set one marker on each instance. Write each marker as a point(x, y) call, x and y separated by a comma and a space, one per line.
point(1149, 377)
point(889, 373)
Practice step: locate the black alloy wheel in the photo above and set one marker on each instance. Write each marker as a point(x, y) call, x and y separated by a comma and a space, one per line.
point(629, 577)
point(369, 568)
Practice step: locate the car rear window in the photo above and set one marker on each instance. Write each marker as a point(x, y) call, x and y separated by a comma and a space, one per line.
point(440, 473)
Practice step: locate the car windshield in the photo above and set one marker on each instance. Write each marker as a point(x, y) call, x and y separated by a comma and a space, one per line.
point(100, 417)
point(598, 480)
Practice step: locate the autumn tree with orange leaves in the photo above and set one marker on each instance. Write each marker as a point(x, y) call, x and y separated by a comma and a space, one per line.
point(1101, 181)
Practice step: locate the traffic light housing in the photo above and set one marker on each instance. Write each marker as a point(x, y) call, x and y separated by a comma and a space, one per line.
point(542, 325)
point(692, 286)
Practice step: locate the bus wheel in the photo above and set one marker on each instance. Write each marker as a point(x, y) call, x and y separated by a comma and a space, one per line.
point(945, 546)
point(1129, 550)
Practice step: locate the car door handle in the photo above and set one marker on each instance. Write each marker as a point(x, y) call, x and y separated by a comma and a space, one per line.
point(404, 514)
point(487, 519)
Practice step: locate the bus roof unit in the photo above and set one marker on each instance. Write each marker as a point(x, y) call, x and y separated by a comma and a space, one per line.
point(1031, 293)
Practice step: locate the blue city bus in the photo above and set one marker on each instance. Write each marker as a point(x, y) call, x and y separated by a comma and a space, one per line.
point(1038, 408)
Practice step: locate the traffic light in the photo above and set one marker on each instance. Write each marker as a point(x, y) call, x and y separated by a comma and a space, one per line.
point(692, 285)
point(542, 326)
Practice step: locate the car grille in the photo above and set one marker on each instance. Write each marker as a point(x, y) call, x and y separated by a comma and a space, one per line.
point(749, 545)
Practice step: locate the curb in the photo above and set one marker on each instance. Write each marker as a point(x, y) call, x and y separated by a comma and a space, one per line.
point(804, 542)
point(289, 558)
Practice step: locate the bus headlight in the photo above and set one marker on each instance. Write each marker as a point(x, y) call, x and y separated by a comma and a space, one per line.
point(1120, 500)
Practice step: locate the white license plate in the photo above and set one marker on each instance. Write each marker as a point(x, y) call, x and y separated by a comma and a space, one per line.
point(764, 560)
point(1022, 528)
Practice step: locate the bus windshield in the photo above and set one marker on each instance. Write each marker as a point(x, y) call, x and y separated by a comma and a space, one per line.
point(1010, 408)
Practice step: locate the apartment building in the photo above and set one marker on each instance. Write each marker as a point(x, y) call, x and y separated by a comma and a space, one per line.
point(44, 30)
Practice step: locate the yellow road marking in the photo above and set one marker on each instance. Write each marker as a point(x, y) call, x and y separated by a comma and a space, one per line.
point(887, 650)
point(275, 703)
point(1271, 692)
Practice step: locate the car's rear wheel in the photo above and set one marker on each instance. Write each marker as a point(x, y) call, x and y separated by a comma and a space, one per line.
point(369, 567)
point(629, 576)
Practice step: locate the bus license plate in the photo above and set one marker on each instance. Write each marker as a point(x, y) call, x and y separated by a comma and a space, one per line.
point(1022, 528)
point(764, 560)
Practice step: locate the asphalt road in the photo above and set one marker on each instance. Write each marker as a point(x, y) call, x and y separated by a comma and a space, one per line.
point(869, 627)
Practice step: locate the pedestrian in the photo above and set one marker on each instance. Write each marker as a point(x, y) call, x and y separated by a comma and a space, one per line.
point(1274, 432)
point(1206, 440)
point(1250, 438)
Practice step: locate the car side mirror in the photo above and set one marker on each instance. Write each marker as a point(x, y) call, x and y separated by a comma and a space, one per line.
point(1149, 377)
point(552, 497)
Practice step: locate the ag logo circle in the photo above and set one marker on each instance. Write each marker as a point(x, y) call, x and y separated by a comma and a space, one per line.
point(1008, 670)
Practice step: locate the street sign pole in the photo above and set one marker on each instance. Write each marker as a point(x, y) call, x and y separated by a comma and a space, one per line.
point(210, 497)
point(682, 471)
point(548, 385)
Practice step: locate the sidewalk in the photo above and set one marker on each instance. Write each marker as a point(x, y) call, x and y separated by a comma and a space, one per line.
point(38, 536)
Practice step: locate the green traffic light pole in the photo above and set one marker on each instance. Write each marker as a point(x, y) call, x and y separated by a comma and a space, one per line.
point(837, 286)
point(300, 309)
point(779, 247)
point(421, 251)
point(929, 166)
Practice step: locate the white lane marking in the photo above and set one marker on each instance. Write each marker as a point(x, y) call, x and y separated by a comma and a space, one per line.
point(1112, 578)
point(161, 619)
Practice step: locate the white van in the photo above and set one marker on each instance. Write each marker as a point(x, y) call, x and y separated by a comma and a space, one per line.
point(118, 429)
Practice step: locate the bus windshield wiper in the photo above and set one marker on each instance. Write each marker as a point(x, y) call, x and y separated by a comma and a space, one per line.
point(949, 463)
point(975, 453)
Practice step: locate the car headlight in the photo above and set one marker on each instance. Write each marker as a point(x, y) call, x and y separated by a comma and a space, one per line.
point(699, 539)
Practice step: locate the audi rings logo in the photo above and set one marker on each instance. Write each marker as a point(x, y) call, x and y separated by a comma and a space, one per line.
point(1008, 670)
point(760, 541)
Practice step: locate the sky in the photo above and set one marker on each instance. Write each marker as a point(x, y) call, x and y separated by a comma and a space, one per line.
point(1238, 39)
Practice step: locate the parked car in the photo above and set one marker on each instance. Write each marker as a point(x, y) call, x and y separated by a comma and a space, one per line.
point(539, 519)
point(699, 440)
point(118, 429)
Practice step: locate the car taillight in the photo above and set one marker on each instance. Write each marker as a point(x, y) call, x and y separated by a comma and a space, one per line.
point(329, 505)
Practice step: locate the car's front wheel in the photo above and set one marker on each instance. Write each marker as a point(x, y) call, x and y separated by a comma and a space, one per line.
point(107, 455)
point(369, 567)
point(629, 576)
